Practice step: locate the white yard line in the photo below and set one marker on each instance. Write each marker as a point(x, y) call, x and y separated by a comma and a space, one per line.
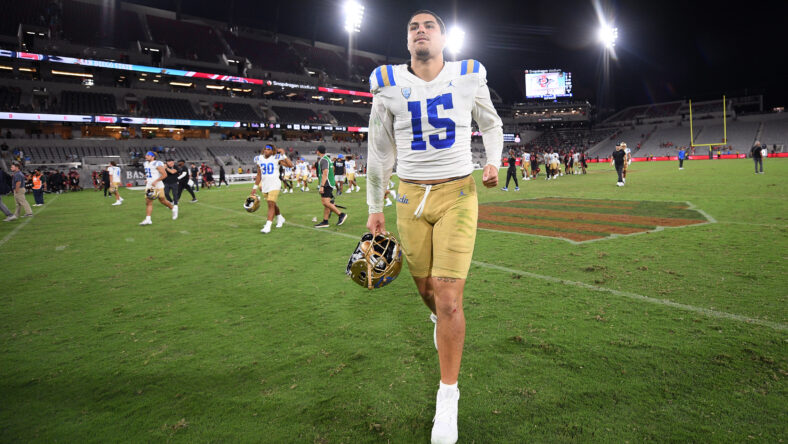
point(25, 221)
point(639, 297)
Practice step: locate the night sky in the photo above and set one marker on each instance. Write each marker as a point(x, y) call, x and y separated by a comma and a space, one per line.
point(667, 49)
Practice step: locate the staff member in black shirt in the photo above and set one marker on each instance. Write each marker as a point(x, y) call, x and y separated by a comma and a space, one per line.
point(619, 157)
point(757, 156)
point(183, 180)
point(105, 181)
point(511, 173)
point(171, 182)
point(339, 173)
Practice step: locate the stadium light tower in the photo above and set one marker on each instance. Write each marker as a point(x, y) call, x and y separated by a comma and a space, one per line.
point(454, 40)
point(608, 35)
point(354, 15)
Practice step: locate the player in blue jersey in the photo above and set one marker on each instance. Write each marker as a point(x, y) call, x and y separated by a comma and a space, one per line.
point(421, 118)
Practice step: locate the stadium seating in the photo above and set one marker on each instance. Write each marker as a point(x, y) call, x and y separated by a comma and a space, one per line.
point(345, 118)
point(28, 12)
point(235, 112)
point(170, 108)
point(265, 54)
point(78, 102)
point(363, 66)
point(775, 132)
point(9, 98)
point(663, 110)
point(296, 115)
point(324, 59)
point(188, 40)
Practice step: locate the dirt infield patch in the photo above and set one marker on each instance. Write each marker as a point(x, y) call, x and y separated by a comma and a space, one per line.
point(581, 220)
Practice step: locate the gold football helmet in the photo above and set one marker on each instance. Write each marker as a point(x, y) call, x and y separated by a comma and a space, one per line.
point(252, 203)
point(376, 261)
point(152, 193)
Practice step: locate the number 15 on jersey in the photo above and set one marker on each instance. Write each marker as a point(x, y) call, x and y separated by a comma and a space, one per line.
point(415, 108)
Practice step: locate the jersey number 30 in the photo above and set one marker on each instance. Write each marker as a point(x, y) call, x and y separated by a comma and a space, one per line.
point(418, 142)
point(267, 168)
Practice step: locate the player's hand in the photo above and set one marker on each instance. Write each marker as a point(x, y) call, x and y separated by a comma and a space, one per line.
point(254, 192)
point(490, 176)
point(376, 223)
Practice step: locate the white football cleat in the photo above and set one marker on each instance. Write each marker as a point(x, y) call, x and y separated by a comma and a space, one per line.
point(620, 184)
point(444, 429)
point(388, 203)
point(279, 221)
point(266, 229)
point(174, 212)
point(146, 222)
point(118, 202)
point(349, 191)
point(434, 320)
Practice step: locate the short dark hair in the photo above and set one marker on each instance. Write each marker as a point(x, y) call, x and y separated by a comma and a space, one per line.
point(170, 160)
point(112, 162)
point(321, 149)
point(427, 11)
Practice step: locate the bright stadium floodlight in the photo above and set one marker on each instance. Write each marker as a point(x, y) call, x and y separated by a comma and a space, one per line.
point(455, 39)
point(354, 14)
point(608, 36)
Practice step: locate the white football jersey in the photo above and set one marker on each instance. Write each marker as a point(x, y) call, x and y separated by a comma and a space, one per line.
point(269, 172)
point(350, 166)
point(426, 126)
point(526, 157)
point(152, 171)
point(114, 173)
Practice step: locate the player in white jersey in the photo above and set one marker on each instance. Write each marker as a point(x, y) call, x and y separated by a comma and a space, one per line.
point(627, 161)
point(114, 181)
point(421, 118)
point(154, 188)
point(576, 163)
point(268, 182)
point(350, 170)
point(288, 178)
point(526, 164)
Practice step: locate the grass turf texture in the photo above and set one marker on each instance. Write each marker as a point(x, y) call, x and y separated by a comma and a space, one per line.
point(204, 330)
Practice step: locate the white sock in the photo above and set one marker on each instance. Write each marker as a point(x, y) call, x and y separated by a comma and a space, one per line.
point(147, 218)
point(268, 223)
point(448, 386)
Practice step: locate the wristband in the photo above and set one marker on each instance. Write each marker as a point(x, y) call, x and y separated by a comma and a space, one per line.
point(254, 187)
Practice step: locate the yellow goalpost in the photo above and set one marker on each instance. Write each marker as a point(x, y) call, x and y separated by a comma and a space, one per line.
point(724, 127)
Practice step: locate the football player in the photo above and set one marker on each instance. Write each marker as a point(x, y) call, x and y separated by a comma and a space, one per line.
point(627, 161)
point(526, 165)
point(154, 188)
point(114, 180)
point(421, 117)
point(350, 168)
point(288, 178)
point(268, 182)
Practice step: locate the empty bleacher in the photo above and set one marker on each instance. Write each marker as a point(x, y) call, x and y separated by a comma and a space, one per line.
point(29, 12)
point(345, 118)
point(775, 132)
point(265, 54)
point(324, 59)
point(188, 40)
point(79, 102)
point(296, 115)
point(235, 112)
point(170, 108)
point(9, 98)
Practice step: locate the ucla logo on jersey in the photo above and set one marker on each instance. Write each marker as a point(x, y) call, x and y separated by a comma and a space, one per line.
point(406, 93)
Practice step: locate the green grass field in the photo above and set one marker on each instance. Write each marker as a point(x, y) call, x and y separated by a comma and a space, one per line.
point(205, 330)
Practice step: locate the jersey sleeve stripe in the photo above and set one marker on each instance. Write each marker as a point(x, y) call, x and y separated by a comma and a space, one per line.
point(379, 76)
point(463, 67)
point(476, 66)
point(388, 76)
